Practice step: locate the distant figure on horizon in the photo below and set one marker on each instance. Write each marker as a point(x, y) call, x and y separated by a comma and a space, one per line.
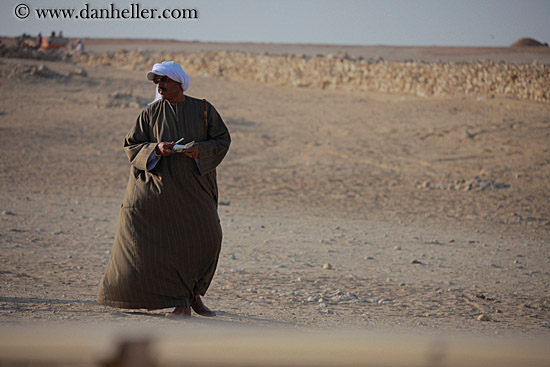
point(38, 42)
point(169, 236)
point(79, 46)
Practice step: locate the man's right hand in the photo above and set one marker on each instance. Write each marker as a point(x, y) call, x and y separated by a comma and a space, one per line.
point(165, 149)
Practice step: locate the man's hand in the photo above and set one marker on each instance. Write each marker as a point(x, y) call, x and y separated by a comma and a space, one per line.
point(192, 152)
point(165, 149)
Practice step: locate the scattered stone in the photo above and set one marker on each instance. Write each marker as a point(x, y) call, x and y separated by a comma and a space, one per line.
point(327, 266)
point(7, 212)
point(224, 202)
point(417, 262)
point(433, 242)
point(483, 317)
point(478, 183)
point(79, 72)
point(397, 248)
point(33, 71)
point(426, 185)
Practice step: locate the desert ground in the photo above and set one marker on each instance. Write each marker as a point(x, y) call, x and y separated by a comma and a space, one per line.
point(340, 209)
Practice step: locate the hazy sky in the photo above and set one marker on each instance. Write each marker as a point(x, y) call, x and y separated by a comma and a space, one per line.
point(367, 22)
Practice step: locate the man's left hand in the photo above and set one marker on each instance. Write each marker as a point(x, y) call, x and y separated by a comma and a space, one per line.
point(192, 152)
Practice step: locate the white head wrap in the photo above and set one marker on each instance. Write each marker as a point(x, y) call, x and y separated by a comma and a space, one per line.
point(172, 70)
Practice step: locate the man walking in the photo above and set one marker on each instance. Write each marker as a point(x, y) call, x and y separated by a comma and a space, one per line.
point(168, 238)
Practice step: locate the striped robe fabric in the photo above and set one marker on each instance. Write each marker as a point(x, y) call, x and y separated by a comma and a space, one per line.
point(168, 237)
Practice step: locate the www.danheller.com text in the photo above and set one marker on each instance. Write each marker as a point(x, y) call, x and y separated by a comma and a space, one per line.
point(133, 11)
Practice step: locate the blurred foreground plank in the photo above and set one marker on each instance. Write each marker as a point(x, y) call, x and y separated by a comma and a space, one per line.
point(189, 345)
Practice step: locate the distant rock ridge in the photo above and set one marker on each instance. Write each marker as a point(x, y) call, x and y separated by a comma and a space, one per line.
point(481, 78)
point(424, 79)
point(528, 42)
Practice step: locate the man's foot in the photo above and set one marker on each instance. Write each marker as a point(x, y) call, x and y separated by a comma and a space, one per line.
point(200, 308)
point(180, 312)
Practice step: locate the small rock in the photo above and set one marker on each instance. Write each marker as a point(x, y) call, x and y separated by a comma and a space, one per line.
point(327, 266)
point(224, 202)
point(426, 185)
point(417, 262)
point(483, 317)
point(397, 248)
point(79, 72)
point(7, 212)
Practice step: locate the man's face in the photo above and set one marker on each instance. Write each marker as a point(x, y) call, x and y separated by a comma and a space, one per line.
point(168, 88)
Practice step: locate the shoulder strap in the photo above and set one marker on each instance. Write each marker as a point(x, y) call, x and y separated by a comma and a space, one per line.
point(205, 114)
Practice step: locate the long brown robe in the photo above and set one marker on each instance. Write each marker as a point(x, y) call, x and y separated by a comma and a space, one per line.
point(168, 239)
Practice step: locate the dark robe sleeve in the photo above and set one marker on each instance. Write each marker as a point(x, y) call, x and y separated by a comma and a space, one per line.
point(213, 150)
point(138, 142)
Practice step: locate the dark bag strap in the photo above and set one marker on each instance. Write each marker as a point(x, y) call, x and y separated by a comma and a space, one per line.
point(205, 114)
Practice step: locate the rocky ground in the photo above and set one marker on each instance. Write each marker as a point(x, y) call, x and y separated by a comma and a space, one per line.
point(339, 208)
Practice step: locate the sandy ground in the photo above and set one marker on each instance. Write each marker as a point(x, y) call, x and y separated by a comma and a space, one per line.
point(431, 212)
